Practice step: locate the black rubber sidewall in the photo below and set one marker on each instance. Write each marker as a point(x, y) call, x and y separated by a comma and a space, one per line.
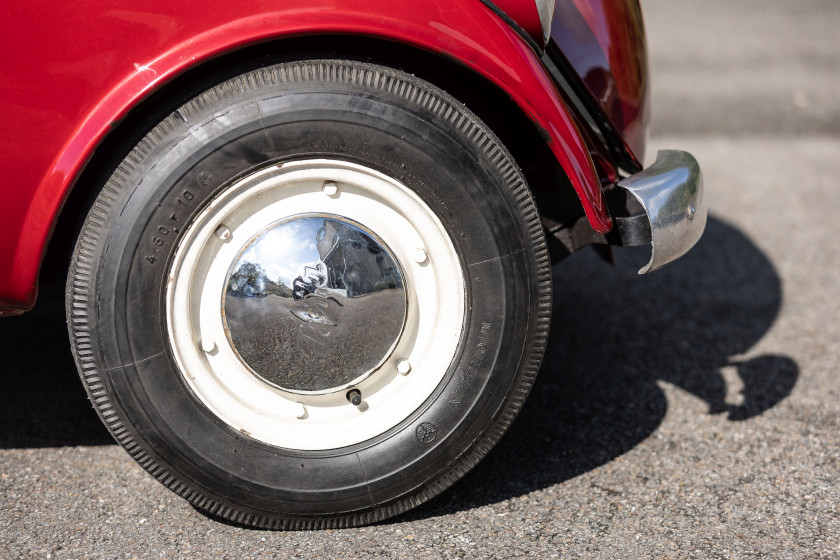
point(213, 146)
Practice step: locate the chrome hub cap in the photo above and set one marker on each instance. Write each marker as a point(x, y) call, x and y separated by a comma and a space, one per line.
point(315, 304)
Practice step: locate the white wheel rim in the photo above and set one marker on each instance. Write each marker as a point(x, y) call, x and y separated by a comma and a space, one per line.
point(409, 373)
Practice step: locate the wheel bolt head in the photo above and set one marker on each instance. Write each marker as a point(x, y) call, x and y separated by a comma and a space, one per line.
point(404, 367)
point(330, 188)
point(300, 411)
point(223, 232)
point(420, 256)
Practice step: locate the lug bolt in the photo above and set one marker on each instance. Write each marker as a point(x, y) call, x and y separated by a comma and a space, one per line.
point(330, 188)
point(420, 256)
point(404, 366)
point(300, 411)
point(354, 396)
point(223, 232)
point(690, 211)
point(208, 345)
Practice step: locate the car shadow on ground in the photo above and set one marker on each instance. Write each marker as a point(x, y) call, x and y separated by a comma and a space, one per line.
point(614, 336)
point(42, 398)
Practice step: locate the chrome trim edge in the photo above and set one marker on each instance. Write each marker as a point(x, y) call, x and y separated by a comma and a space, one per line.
point(546, 10)
point(671, 193)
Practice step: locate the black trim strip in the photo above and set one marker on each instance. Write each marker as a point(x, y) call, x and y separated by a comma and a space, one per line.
point(587, 108)
point(515, 26)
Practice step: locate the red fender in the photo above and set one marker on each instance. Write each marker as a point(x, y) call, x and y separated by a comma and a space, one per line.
point(69, 70)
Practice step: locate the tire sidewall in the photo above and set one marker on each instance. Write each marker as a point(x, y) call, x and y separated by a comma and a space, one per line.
point(191, 157)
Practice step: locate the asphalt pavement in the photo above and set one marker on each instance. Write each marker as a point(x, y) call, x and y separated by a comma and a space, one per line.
point(690, 413)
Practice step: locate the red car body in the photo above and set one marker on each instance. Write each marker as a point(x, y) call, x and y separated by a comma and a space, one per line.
point(307, 247)
point(72, 72)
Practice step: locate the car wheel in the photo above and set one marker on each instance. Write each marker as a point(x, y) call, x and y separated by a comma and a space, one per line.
point(315, 295)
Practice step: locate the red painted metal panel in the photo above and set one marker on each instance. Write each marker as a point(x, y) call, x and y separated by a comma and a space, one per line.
point(525, 14)
point(604, 41)
point(69, 70)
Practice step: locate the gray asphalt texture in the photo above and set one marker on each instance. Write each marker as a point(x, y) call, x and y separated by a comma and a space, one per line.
point(691, 413)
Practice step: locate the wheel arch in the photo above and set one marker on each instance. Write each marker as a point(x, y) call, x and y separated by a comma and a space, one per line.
point(533, 123)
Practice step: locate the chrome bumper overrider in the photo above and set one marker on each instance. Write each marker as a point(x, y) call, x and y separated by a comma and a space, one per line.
point(671, 193)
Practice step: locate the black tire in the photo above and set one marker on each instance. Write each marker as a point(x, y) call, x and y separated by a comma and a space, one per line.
point(376, 117)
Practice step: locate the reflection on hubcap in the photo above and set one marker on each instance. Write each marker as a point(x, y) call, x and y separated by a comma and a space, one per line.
point(314, 303)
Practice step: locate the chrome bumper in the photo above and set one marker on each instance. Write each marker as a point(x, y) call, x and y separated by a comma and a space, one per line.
point(671, 194)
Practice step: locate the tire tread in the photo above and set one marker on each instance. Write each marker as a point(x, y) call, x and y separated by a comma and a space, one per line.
point(410, 89)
